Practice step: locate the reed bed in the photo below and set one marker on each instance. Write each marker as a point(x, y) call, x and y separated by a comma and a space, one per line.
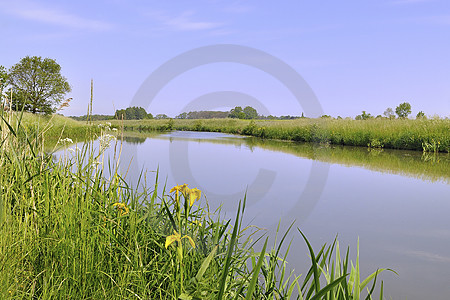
point(74, 229)
point(428, 135)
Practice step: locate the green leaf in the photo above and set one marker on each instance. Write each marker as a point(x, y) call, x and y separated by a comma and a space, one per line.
point(328, 288)
point(229, 255)
point(205, 264)
point(252, 285)
point(185, 297)
point(314, 264)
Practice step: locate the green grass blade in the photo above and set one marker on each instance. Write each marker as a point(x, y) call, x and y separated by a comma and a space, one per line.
point(252, 285)
point(172, 220)
point(329, 287)
point(229, 255)
point(314, 264)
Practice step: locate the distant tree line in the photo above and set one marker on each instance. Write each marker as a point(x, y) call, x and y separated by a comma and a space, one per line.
point(203, 115)
point(403, 110)
point(93, 117)
point(132, 113)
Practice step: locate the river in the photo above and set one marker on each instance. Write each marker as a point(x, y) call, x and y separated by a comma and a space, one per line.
point(396, 202)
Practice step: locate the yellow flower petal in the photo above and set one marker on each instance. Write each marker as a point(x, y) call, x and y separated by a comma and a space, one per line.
point(191, 241)
point(194, 194)
point(123, 209)
point(184, 190)
point(172, 238)
point(197, 222)
point(175, 188)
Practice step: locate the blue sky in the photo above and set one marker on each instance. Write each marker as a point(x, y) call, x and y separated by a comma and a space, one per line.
point(354, 55)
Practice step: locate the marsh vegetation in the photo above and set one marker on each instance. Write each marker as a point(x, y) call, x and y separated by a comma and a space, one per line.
point(75, 228)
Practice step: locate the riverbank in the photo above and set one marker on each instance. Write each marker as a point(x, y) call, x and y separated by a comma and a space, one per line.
point(420, 135)
point(428, 166)
point(428, 135)
point(70, 229)
point(51, 128)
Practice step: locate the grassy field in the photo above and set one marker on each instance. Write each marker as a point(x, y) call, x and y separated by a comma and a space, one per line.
point(429, 135)
point(74, 229)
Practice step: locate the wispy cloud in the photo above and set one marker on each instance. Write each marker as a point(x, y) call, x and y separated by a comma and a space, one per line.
point(183, 22)
point(428, 256)
point(56, 17)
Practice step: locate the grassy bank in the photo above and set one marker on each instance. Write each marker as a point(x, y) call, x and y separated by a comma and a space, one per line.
point(49, 129)
point(75, 229)
point(423, 135)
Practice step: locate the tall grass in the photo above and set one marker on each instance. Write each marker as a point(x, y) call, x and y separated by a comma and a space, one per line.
point(74, 229)
point(421, 134)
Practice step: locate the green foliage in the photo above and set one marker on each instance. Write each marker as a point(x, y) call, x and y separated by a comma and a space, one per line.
point(182, 116)
point(237, 113)
point(132, 113)
point(3, 79)
point(161, 117)
point(403, 110)
point(363, 116)
point(37, 85)
point(250, 112)
point(247, 113)
point(395, 134)
point(93, 117)
point(203, 115)
point(389, 113)
point(421, 115)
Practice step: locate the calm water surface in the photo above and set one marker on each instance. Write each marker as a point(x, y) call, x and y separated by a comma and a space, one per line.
point(396, 202)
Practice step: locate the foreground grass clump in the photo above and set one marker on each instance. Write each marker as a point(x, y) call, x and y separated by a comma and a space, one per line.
point(429, 135)
point(73, 228)
point(51, 128)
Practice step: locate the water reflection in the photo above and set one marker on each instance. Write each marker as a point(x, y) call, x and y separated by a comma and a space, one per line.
point(425, 166)
point(136, 140)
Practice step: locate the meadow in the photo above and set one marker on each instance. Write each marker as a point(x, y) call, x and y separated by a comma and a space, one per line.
point(428, 135)
point(74, 228)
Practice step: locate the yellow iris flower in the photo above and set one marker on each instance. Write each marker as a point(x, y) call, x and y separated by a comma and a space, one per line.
point(176, 237)
point(180, 188)
point(197, 222)
point(122, 208)
point(194, 194)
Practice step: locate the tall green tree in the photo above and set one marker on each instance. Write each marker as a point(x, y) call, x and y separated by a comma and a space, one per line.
point(250, 112)
point(237, 113)
point(247, 113)
point(132, 113)
point(161, 116)
point(37, 84)
point(389, 113)
point(421, 115)
point(364, 116)
point(183, 115)
point(403, 110)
